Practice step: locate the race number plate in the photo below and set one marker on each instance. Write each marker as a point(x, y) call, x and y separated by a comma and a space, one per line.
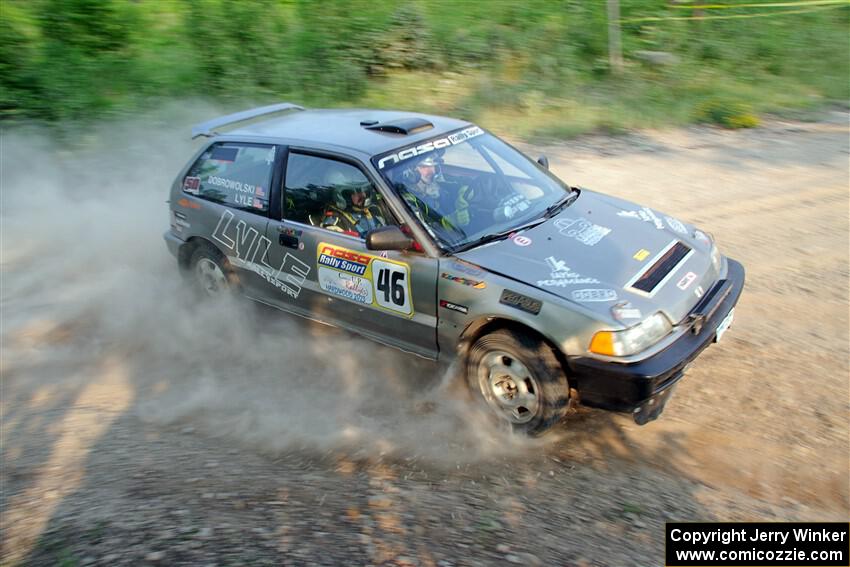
point(723, 326)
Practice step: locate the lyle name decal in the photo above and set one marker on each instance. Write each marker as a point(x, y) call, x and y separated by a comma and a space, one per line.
point(249, 249)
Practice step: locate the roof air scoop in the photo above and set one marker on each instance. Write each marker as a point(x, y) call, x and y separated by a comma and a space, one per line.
point(403, 126)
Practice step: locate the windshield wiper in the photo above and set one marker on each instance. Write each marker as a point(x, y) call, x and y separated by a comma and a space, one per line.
point(495, 236)
point(553, 210)
point(483, 240)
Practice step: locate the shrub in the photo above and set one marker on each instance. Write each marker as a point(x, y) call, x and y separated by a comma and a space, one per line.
point(727, 114)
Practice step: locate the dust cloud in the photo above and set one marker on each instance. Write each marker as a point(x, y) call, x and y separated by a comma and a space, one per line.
point(86, 277)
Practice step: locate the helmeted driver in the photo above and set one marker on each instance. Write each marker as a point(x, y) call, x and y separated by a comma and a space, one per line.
point(432, 198)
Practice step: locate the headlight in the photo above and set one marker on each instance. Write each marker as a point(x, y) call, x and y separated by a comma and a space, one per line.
point(632, 340)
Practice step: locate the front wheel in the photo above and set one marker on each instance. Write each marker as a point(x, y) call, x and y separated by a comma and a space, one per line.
point(520, 379)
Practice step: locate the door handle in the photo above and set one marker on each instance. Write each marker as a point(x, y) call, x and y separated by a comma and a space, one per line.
point(288, 240)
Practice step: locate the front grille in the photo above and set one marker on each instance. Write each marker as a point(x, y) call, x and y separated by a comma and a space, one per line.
point(659, 270)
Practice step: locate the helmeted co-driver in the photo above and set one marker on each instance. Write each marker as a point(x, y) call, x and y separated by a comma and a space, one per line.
point(351, 211)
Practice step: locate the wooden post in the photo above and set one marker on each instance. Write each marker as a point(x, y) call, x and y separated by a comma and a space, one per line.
point(615, 48)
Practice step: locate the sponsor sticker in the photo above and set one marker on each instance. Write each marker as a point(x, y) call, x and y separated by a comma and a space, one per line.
point(346, 285)
point(427, 147)
point(466, 268)
point(562, 276)
point(582, 230)
point(515, 205)
point(676, 225)
point(625, 310)
point(520, 240)
point(520, 301)
point(686, 281)
point(464, 281)
point(343, 259)
point(363, 278)
point(644, 214)
point(454, 306)
point(641, 255)
point(593, 295)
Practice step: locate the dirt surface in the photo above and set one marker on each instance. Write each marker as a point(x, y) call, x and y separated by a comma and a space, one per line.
point(139, 427)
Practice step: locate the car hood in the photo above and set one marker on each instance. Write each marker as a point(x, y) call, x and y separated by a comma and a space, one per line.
point(619, 259)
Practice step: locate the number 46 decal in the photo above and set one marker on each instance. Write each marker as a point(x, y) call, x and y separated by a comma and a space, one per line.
point(392, 289)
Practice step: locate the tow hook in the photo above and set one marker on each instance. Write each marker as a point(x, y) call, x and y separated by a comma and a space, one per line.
point(652, 407)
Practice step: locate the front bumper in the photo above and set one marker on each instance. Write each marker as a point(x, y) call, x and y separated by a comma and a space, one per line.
point(643, 387)
point(173, 242)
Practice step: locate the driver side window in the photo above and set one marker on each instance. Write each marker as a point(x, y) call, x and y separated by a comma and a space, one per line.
point(333, 195)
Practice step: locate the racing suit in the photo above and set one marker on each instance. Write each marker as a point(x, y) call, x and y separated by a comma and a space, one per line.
point(355, 221)
point(431, 201)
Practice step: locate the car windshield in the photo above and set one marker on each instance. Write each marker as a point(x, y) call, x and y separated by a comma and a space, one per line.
point(468, 187)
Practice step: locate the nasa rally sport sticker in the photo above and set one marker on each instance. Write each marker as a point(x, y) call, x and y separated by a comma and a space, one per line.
point(363, 278)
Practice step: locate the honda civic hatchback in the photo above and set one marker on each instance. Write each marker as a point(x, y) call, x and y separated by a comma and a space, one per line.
point(432, 235)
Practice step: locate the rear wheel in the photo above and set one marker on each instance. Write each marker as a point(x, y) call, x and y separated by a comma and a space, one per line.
point(211, 272)
point(520, 380)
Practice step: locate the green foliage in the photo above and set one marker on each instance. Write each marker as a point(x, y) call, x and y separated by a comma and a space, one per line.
point(727, 114)
point(538, 67)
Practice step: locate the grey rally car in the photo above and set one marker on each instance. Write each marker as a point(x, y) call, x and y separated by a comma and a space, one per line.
point(434, 236)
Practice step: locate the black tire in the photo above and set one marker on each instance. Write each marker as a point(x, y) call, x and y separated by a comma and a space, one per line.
point(210, 272)
point(519, 379)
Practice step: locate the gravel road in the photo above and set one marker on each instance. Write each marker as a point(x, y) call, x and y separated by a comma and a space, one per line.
point(135, 430)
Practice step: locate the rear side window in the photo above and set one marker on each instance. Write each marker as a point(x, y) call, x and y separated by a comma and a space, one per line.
point(236, 175)
point(331, 194)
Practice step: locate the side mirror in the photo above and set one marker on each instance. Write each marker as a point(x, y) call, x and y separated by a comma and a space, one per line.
point(388, 238)
point(544, 161)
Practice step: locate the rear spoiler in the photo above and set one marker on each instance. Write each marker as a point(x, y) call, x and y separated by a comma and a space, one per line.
point(208, 128)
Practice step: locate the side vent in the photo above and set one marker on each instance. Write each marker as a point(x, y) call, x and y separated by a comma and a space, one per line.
point(661, 268)
point(403, 126)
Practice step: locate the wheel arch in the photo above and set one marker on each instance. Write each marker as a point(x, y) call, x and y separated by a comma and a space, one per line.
point(184, 253)
point(489, 324)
